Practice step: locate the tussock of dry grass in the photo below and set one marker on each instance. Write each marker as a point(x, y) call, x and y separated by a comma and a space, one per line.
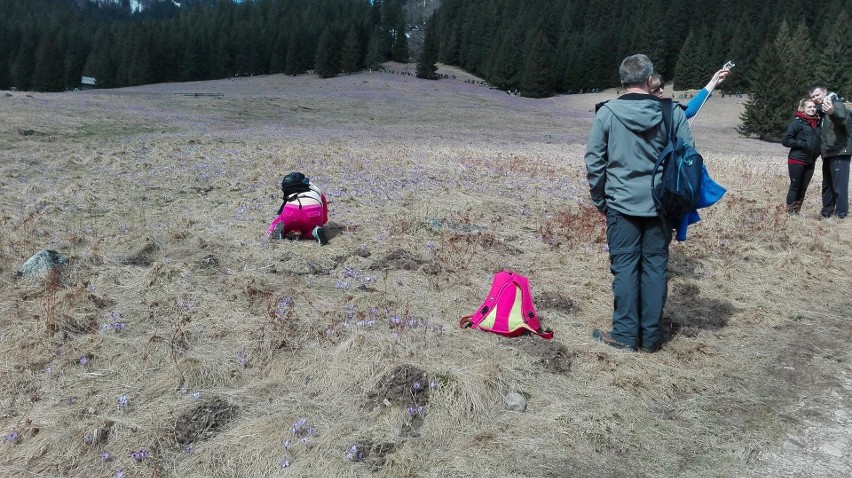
point(159, 201)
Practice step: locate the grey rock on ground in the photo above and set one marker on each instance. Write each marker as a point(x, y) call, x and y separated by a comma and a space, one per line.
point(515, 402)
point(40, 265)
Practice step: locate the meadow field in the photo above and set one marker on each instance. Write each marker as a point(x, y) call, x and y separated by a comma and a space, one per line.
point(178, 342)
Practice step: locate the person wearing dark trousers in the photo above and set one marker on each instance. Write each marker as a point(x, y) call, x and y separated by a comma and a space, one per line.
point(803, 139)
point(835, 150)
point(626, 136)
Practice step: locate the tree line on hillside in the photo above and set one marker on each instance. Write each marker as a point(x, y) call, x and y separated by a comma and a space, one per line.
point(546, 47)
point(47, 45)
point(537, 47)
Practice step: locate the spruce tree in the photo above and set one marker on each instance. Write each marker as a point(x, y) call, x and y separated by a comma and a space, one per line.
point(536, 81)
point(374, 57)
point(504, 71)
point(325, 61)
point(688, 73)
point(138, 67)
point(427, 63)
point(6, 46)
point(834, 67)
point(294, 63)
point(25, 63)
point(350, 57)
point(400, 44)
point(49, 72)
point(5, 74)
point(741, 46)
point(796, 53)
point(768, 110)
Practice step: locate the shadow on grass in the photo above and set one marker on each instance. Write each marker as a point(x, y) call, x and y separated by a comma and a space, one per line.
point(688, 314)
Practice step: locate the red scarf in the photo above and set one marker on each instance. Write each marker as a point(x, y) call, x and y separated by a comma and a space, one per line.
point(812, 120)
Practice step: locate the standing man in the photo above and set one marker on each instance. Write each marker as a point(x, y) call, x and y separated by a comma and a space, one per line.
point(627, 135)
point(835, 152)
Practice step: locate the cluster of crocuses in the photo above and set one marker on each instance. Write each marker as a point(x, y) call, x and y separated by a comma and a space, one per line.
point(284, 307)
point(302, 431)
point(349, 275)
point(114, 323)
point(355, 453)
point(375, 317)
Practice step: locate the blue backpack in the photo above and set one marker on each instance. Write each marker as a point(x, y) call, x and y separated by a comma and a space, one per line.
point(679, 189)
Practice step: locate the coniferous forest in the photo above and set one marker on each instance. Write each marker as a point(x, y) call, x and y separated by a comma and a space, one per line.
point(537, 47)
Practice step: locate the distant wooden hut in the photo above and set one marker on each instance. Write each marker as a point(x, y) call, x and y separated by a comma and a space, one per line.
point(88, 82)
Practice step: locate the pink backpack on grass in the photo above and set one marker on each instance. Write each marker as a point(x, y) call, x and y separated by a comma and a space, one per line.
point(508, 310)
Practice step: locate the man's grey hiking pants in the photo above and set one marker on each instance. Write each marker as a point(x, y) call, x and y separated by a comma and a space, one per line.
point(639, 260)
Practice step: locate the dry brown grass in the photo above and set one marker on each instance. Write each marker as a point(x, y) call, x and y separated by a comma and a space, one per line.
point(159, 201)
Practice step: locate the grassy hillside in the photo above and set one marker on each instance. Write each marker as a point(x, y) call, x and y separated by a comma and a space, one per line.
point(181, 343)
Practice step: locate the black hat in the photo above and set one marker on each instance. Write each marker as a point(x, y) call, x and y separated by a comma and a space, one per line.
point(294, 179)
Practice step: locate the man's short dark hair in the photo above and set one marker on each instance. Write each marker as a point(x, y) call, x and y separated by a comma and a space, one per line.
point(635, 70)
point(814, 86)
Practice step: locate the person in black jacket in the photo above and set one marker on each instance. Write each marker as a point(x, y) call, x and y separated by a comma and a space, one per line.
point(836, 152)
point(803, 139)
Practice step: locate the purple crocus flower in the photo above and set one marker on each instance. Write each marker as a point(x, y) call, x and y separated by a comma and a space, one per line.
point(298, 426)
point(140, 455)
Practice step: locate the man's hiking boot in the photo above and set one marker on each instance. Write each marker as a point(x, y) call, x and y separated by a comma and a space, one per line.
point(319, 235)
point(606, 338)
point(651, 348)
point(794, 208)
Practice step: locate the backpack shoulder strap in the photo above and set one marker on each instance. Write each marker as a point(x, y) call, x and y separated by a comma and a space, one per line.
point(668, 109)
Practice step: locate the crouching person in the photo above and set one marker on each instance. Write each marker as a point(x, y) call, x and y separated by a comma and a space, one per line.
point(304, 210)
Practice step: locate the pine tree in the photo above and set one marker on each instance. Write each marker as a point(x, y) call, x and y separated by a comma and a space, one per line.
point(400, 44)
point(350, 57)
point(138, 67)
point(99, 64)
point(49, 72)
point(504, 71)
point(325, 61)
point(772, 99)
point(536, 81)
point(688, 73)
point(741, 46)
point(6, 46)
point(833, 66)
point(279, 54)
point(76, 50)
point(294, 63)
point(796, 52)
point(374, 57)
point(5, 74)
point(25, 63)
point(427, 63)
